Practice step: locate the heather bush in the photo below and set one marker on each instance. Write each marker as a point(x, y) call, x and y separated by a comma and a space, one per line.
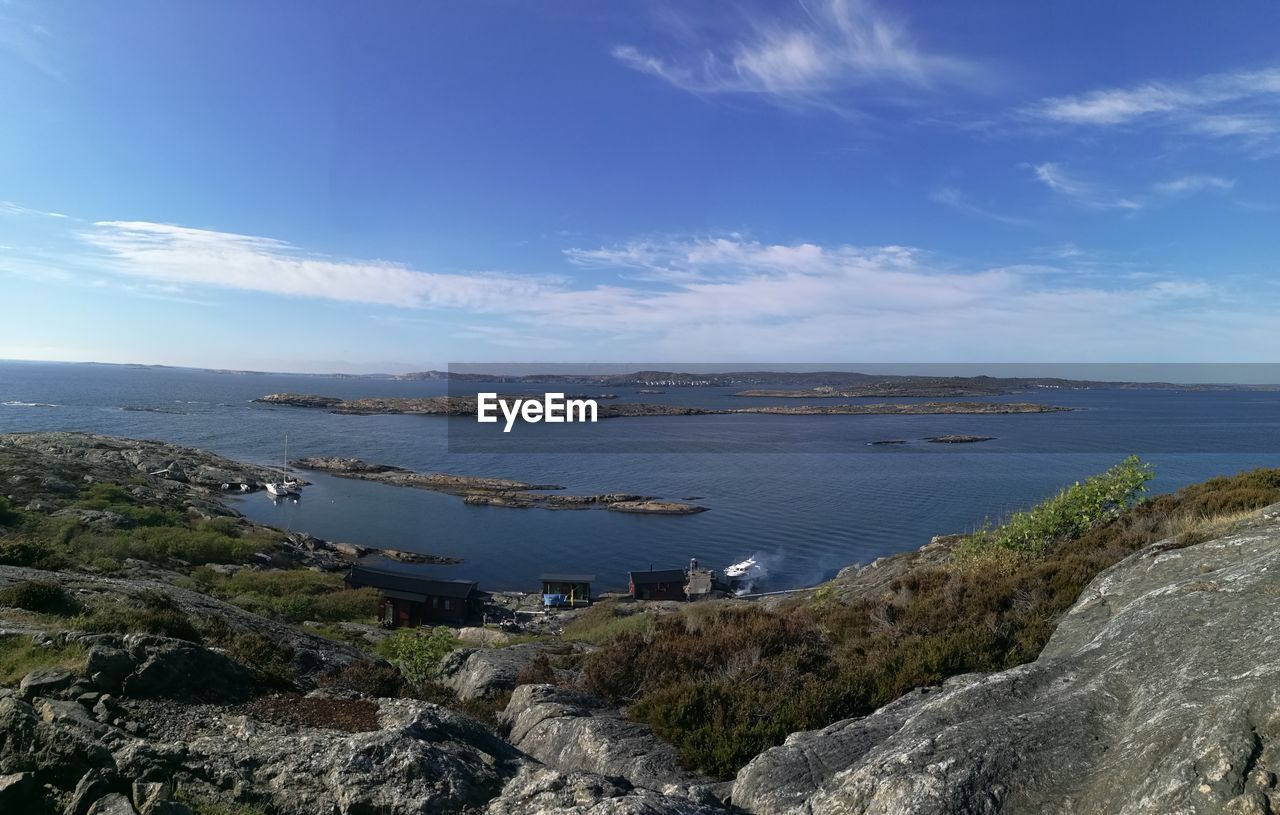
point(722, 684)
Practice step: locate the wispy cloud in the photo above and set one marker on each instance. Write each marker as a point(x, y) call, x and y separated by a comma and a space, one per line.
point(805, 59)
point(1191, 184)
point(725, 294)
point(185, 256)
point(959, 201)
point(10, 208)
point(1242, 105)
point(1093, 195)
point(27, 41)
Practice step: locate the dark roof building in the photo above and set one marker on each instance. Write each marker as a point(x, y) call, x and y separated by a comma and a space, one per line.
point(661, 584)
point(412, 600)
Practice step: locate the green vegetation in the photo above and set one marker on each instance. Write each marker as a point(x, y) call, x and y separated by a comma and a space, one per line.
point(1072, 512)
point(606, 620)
point(8, 515)
point(41, 596)
point(113, 498)
point(19, 656)
point(290, 594)
point(708, 679)
point(418, 655)
point(54, 543)
point(151, 612)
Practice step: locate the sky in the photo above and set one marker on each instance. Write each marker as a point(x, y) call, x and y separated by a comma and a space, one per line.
point(314, 186)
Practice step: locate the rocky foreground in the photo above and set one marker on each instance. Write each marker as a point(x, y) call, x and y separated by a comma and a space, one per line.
point(1158, 693)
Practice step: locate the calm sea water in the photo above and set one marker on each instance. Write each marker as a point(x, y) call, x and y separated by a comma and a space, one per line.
point(806, 493)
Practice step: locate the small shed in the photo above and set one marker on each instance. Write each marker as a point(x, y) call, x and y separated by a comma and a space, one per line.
point(575, 589)
point(660, 584)
point(413, 600)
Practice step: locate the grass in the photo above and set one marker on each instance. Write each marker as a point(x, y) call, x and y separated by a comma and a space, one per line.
point(20, 655)
point(54, 543)
point(294, 595)
point(151, 612)
point(607, 620)
point(708, 680)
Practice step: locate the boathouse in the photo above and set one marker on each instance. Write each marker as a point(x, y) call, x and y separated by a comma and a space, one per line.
point(568, 590)
point(662, 584)
point(413, 600)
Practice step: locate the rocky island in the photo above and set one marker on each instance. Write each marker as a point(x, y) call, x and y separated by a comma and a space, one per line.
point(466, 406)
point(496, 492)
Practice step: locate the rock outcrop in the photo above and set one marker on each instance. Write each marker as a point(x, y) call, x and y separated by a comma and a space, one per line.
point(166, 470)
point(1158, 693)
point(484, 673)
point(313, 655)
point(420, 759)
point(573, 731)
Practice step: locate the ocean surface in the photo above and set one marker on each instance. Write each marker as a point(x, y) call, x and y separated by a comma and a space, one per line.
point(807, 494)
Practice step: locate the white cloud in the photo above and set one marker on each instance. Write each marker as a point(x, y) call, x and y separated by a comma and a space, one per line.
point(1095, 196)
point(10, 208)
point(804, 60)
point(1189, 184)
point(185, 256)
point(1082, 192)
point(722, 296)
point(1243, 105)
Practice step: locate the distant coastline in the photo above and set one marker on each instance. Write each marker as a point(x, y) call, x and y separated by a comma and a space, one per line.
point(466, 406)
point(788, 381)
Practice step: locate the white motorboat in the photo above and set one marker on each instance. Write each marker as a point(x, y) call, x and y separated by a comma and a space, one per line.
point(745, 573)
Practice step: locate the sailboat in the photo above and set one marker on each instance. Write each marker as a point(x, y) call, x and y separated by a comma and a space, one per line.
point(285, 487)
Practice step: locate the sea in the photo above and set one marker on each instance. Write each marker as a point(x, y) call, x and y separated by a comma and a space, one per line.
point(805, 495)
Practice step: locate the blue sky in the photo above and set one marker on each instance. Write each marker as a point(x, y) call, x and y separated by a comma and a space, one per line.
point(400, 185)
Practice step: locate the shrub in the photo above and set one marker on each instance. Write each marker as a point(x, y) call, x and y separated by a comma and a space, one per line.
point(378, 679)
point(537, 672)
point(8, 515)
point(418, 656)
point(271, 658)
point(708, 680)
point(151, 612)
point(1070, 513)
point(41, 596)
point(292, 594)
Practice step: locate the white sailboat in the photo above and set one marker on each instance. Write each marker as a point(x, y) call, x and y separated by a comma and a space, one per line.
point(285, 487)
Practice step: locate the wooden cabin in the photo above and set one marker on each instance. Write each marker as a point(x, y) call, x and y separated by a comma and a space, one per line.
point(662, 584)
point(574, 588)
point(410, 600)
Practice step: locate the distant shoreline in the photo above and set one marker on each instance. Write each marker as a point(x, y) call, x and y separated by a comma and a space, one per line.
point(743, 378)
point(466, 406)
